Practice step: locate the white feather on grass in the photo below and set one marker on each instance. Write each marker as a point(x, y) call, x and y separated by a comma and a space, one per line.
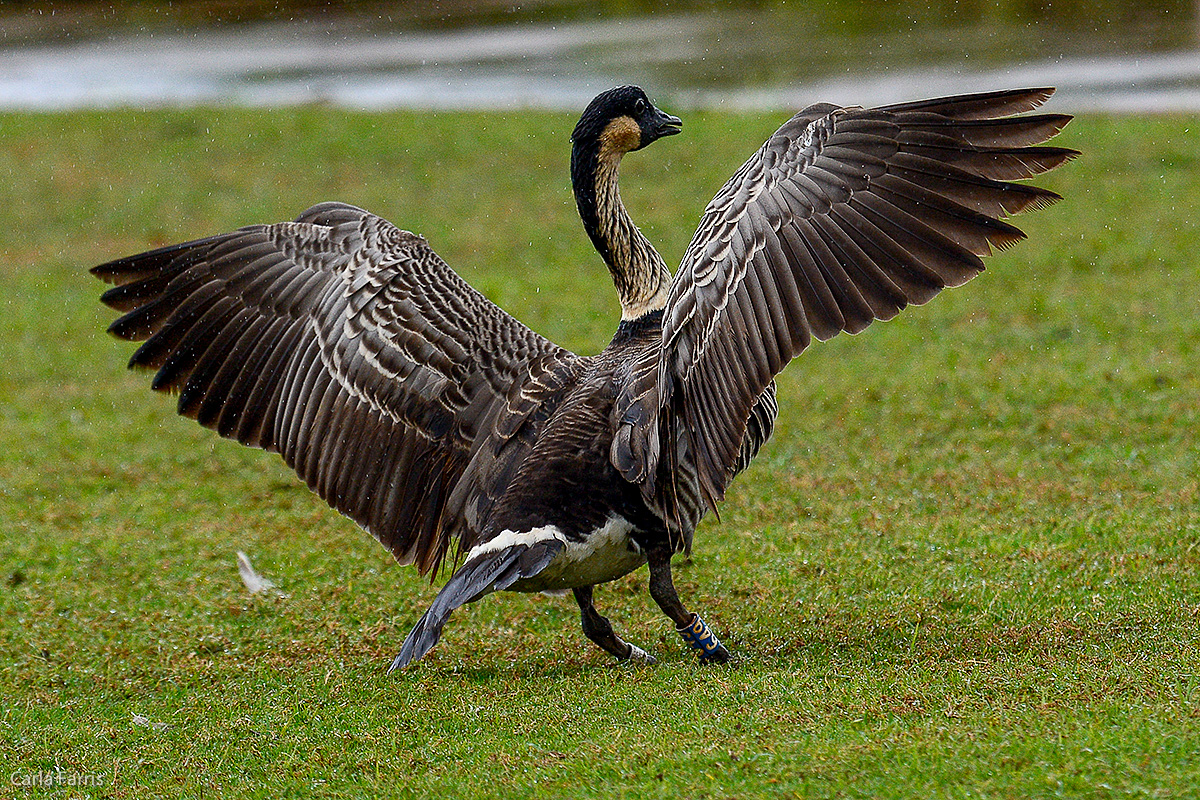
point(255, 583)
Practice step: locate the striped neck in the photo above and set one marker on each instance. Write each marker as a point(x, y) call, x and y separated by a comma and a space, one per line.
point(639, 273)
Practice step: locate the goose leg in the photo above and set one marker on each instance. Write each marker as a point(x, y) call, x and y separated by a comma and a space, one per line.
point(597, 628)
point(691, 627)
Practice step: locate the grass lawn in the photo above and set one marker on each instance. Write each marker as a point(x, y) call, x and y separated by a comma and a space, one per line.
point(967, 565)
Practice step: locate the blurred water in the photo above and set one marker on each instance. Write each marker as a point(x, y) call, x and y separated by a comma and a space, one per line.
point(734, 59)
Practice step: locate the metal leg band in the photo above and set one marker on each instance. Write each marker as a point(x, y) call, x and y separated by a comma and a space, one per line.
point(640, 656)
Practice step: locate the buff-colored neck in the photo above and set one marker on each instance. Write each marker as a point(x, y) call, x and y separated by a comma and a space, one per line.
point(639, 273)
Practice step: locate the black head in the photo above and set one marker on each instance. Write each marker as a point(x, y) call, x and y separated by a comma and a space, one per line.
point(623, 119)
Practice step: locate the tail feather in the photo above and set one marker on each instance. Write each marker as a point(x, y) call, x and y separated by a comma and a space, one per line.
point(486, 573)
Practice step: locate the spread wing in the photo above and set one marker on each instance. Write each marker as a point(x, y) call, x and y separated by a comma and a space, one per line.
point(844, 216)
point(353, 350)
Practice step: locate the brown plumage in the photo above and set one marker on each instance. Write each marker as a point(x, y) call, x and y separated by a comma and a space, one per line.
point(449, 430)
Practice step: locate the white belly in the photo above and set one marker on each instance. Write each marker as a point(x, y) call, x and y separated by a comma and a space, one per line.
point(605, 554)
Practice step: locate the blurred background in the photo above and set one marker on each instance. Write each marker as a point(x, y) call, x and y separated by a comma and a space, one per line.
point(1114, 55)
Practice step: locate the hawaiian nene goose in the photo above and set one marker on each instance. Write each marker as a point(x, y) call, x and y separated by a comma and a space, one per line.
point(444, 426)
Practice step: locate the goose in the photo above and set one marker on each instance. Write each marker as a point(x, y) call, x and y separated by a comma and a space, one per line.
point(461, 439)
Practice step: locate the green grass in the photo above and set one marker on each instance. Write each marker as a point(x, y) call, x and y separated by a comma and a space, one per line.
point(967, 565)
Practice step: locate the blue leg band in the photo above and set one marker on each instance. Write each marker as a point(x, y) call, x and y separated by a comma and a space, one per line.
point(700, 637)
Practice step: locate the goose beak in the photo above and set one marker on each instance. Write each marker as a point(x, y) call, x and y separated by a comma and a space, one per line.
point(666, 125)
point(658, 125)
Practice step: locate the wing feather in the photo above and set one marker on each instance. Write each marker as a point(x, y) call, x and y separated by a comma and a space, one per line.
point(350, 348)
point(822, 316)
point(844, 216)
